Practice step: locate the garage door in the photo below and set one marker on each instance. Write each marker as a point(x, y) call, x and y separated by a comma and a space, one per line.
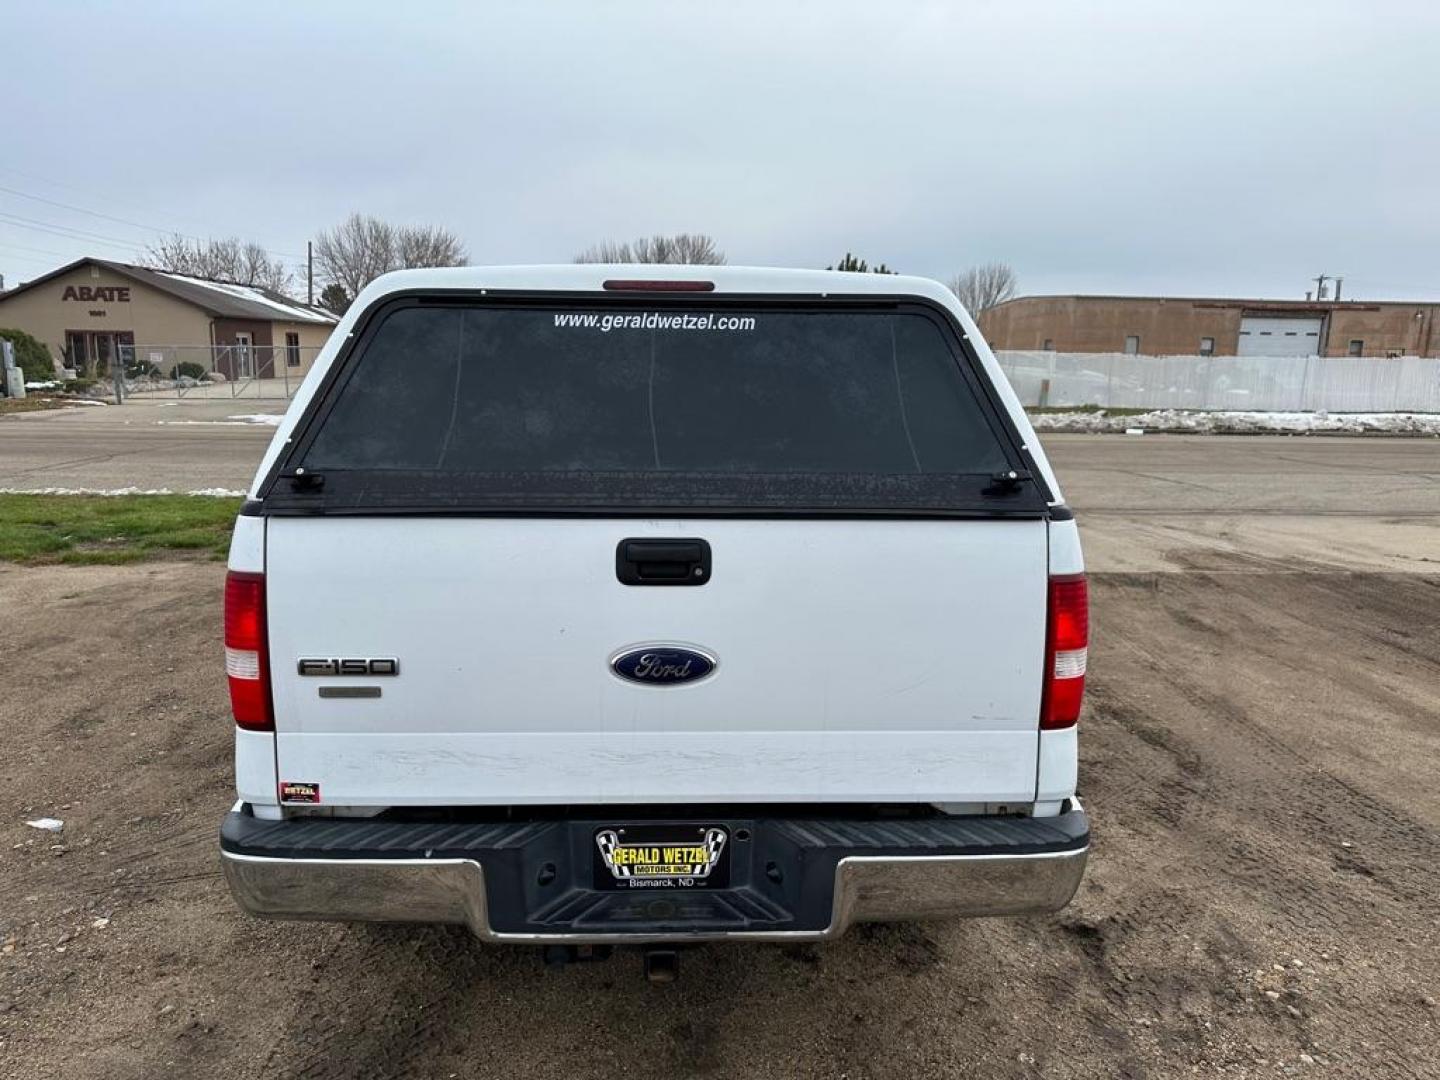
point(1279, 337)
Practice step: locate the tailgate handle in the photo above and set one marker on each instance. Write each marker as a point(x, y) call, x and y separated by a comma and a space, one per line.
point(662, 562)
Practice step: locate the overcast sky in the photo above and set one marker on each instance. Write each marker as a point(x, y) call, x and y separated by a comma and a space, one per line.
point(1136, 147)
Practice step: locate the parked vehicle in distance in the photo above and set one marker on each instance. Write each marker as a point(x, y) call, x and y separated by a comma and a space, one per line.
point(592, 605)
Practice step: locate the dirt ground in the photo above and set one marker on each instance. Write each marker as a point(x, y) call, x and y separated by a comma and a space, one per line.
point(1259, 753)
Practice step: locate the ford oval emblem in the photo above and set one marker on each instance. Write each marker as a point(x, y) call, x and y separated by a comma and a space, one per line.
point(662, 665)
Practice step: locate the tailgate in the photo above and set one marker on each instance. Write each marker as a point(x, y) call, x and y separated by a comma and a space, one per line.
point(855, 661)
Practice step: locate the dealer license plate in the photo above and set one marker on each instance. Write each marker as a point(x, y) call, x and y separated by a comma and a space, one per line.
point(657, 856)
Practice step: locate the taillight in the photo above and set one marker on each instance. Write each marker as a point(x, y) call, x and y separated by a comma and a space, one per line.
point(247, 661)
point(1067, 639)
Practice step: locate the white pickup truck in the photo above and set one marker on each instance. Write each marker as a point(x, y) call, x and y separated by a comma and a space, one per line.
point(587, 605)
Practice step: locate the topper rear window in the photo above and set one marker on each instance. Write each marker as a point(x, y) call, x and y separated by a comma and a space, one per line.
point(656, 406)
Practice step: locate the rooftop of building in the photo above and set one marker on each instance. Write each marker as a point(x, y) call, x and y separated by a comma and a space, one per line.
point(1253, 303)
point(223, 299)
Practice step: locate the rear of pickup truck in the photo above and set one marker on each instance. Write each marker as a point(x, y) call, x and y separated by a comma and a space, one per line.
point(587, 605)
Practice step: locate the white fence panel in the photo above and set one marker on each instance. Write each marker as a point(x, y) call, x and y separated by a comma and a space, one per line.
point(1272, 384)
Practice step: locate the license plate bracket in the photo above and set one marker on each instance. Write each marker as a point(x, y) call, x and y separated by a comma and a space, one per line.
point(661, 855)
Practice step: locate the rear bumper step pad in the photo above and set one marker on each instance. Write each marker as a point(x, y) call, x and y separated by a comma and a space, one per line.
point(789, 879)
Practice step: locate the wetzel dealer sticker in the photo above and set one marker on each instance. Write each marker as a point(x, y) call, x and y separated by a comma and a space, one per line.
point(662, 857)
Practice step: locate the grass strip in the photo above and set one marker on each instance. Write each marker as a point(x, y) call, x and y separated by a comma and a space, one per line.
point(38, 529)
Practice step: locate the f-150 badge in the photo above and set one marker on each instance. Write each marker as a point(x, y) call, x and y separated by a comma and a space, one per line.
point(348, 667)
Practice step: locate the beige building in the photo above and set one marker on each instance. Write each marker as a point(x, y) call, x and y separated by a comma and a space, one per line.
point(93, 310)
point(1187, 326)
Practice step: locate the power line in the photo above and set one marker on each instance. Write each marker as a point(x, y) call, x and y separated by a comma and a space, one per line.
point(95, 213)
point(128, 221)
point(38, 251)
point(65, 231)
point(67, 186)
point(32, 259)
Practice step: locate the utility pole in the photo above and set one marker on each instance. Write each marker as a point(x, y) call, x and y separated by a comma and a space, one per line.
point(1320, 286)
point(310, 272)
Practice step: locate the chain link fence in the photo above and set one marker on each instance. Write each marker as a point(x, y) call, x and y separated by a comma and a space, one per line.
point(1271, 384)
point(217, 371)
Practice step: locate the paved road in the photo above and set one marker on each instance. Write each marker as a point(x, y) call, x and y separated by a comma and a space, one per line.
point(183, 446)
point(1277, 474)
point(1182, 502)
point(1368, 502)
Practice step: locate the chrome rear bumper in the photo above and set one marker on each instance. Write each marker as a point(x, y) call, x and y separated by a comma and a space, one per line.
point(866, 888)
point(453, 891)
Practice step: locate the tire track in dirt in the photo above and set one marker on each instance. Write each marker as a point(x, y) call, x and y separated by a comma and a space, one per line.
point(1231, 786)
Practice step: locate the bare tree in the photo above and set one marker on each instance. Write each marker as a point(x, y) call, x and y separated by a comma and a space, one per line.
point(355, 252)
point(361, 248)
point(429, 245)
point(681, 249)
point(983, 287)
point(607, 251)
point(234, 260)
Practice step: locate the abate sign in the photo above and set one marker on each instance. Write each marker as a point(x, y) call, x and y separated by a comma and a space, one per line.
point(107, 293)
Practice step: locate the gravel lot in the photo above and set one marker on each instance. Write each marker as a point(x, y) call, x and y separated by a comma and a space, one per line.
point(1258, 755)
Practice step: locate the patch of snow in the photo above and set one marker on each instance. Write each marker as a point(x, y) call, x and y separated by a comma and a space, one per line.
point(272, 419)
point(292, 312)
point(49, 824)
point(49, 384)
point(203, 423)
point(1240, 422)
point(244, 420)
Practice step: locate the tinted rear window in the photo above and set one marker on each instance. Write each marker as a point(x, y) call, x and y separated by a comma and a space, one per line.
point(626, 403)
